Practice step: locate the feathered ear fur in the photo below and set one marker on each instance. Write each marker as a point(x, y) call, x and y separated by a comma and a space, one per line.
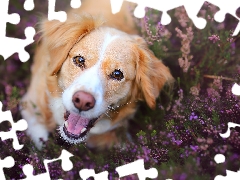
point(151, 73)
point(58, 39)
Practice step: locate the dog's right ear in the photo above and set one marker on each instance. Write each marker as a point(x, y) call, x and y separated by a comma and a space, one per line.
point(59, 37)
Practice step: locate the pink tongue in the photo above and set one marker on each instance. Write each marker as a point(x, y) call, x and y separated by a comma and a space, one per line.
point(76, 123)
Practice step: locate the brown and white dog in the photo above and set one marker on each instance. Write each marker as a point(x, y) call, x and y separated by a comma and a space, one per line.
point(85, 70)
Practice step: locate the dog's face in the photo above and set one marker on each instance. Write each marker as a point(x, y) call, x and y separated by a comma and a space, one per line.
point(98, 72)
point(97, 69)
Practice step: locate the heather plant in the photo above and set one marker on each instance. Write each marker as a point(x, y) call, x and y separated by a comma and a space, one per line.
point(181, 136)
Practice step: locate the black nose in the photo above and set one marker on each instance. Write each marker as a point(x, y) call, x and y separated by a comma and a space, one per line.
point(83, 100)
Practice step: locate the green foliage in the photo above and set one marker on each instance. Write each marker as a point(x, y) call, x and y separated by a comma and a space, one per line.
point(170, 124)
point(141, 133)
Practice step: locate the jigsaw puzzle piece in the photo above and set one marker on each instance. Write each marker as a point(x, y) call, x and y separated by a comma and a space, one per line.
point(208, 12)
point(66, 164)
point(227, 7)
point(192, 8)
point(219, 158)
point(61, 15)
point(13, 18)
point(87, 173)
point(139, 12)
point(137, 167)
point(5, 17)
point(28, 5)
point(28, 171)
point(7, 162)
point(230, 125)
point(21, 125)
point(9, 46)
point(116, 5)
point(230, 175)
point(75, 3)
point(236, 89)
point(237, 30)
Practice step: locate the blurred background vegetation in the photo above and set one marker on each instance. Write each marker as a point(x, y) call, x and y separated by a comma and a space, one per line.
point(181, 137)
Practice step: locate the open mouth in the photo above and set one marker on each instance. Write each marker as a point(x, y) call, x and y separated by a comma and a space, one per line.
point(75, 128)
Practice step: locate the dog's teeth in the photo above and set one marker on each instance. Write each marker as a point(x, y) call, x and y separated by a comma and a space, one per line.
point(66, 124)
point(83, 130)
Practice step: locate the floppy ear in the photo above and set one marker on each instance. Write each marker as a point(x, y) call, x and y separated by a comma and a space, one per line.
point(58, 39)
point(151, 73)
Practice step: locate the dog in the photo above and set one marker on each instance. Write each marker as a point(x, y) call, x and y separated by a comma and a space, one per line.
point(88, 75)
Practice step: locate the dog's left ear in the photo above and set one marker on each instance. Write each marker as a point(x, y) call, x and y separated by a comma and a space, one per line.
point(151, 74)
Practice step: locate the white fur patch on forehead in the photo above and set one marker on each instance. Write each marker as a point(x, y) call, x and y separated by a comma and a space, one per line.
point(108, 38)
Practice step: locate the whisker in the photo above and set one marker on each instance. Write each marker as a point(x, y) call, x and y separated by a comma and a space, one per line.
point(106, 113)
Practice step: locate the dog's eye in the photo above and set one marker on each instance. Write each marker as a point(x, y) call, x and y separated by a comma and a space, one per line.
point(117, 74)
point(79, 61)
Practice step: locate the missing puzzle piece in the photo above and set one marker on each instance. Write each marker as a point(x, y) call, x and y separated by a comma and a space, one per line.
point(7, 162)
point(66, 164)
point(236, 89)
point(231, 175)
point(28, 5)
point(87, 173)
point(60, 15)
point(8, 45)
point(28, 171)
point(225, 13)
point(137, 167)
point(230, 7)
point(192, 8)
point(20, 125)
point(220, 158)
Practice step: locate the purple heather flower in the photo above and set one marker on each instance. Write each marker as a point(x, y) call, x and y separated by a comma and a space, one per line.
point(178, 142)
point(214, 38)
point(159, 27)
point(194, 148)
point(170, 135)
point(202, 122)
point(193, 116)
